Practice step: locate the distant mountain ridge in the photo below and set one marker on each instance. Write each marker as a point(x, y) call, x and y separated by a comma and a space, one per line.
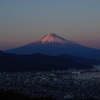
point(1, 52)
point(80, 59)
point(51, 44)
point(37, 62)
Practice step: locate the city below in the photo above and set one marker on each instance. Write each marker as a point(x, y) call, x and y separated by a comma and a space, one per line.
point(60, 85)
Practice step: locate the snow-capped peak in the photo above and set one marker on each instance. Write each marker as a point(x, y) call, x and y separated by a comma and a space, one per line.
point(53, 38)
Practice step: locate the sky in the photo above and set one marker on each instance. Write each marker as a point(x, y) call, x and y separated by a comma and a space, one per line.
point(25, 21)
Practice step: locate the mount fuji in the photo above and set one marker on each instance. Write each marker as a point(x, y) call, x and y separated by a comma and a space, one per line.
point(52, 44)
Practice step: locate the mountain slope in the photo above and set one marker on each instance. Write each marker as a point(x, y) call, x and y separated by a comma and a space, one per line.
point(37, 62)
point(80, 59)
point(51, 44)
point(1, 52)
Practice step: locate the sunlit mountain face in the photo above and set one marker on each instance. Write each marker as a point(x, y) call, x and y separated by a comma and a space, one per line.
point(53, 38)
point(52, 44)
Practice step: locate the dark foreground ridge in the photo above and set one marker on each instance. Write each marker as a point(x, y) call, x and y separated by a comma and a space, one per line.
point(10, 95)
point(37, 62)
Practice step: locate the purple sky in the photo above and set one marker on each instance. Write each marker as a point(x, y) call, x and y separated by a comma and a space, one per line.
point(24, 21)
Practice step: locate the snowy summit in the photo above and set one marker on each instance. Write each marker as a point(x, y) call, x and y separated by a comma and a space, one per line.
point(53, 38)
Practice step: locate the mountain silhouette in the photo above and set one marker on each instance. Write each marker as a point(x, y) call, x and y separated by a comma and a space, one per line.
point(51, 44)
point(37, 62)
point(81, 59)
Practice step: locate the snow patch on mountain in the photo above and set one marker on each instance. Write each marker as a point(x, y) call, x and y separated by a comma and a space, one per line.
point(53, 38)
